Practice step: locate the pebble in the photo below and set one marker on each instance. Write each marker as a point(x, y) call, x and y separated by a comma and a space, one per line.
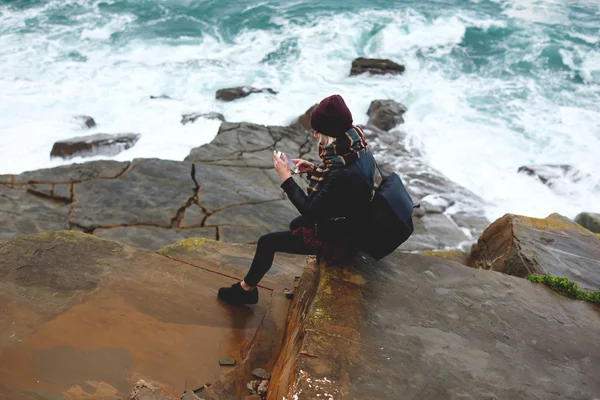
point(227, 360)
point(261, 373)
point(263, 387)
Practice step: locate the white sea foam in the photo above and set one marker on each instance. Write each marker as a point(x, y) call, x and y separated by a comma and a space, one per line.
point(46, 79)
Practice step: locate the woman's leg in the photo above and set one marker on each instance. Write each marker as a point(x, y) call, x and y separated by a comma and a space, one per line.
point(268, 245)
point(245, 292)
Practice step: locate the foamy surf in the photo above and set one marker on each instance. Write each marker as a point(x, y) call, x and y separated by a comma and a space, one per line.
point(488, 85)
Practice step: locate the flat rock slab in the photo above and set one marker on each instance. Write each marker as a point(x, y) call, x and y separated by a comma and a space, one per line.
point(82, 317)
point(23, 213)
point(234, 260)
point(418, 327)
point(93, 145)
point(152, 238)
point(555, 246)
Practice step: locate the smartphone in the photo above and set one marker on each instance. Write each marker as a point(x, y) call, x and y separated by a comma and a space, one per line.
point(293, 166)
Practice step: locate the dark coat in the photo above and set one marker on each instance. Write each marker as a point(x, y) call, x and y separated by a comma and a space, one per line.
point(344, 194)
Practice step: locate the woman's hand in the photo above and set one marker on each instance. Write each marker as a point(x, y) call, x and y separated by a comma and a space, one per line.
point(282, 167)
point(304, 166)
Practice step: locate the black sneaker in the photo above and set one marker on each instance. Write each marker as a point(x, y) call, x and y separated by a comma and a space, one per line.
point(236, 295)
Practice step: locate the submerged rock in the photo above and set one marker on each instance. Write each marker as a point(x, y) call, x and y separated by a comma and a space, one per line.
point(385, 114)
point(93, 145)
point(555, 246)
point(86, 120)
point(375, 66)
point(185, 118)
point(161, 97)
point(589, 221)
point(231, 94)
point(550, 174)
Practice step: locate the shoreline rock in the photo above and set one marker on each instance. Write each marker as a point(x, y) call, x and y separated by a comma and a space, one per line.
point(589, 221)
point(375, 66)
point(92, 145)
point(86, 120)
point(385, 114)
point(231, 94)
point(185, 118)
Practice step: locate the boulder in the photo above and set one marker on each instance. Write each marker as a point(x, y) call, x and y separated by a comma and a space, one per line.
point(589, 221)
point(385, 114)
point(86, 120)
point(231, 94)
point(554, 246)
point(375, 66)
point(420, 327)
point(434, 204)
point(185, 118)
point(86, 318)
point(550, 174)
point(303, 121)
point(98, 144)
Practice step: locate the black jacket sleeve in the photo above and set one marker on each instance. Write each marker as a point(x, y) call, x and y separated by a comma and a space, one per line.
point(313, 207)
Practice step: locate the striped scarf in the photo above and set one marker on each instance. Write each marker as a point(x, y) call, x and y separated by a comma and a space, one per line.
point(344, 151)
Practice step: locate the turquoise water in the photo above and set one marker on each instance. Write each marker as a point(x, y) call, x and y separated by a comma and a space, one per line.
point(490, 85)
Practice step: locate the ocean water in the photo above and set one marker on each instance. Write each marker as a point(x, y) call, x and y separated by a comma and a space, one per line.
point(490, 85)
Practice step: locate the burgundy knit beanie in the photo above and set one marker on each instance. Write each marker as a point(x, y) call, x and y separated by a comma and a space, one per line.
point(331, 117)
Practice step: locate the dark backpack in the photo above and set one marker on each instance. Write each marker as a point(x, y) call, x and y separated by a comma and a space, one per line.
point(390, 216)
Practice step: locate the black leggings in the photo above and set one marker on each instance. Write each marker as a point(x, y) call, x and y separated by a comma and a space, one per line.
point(270, 244)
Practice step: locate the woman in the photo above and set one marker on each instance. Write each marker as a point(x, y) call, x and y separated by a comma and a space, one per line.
point(332, 213)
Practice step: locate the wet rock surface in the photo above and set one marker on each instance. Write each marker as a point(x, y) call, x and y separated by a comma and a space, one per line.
point(93, 145)
point(91, 318)
point(86, 120)
point(385, 114)
point(375, 66)
point(186, 118)
point(231, 94)
point(456, 326)
point(555, 246)
point(551, 174)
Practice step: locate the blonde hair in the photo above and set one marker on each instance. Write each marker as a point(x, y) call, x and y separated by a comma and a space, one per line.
point(326, 140)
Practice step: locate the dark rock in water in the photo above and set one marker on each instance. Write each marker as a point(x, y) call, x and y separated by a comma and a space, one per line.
point(303, 121)
point(375, 66)
point(194, 116)
point(231, 94)
point(549, 174)
point(555, 246)
point(385, 114)
point(87, 120)
point(589, 221)
point(162, 96)
point(99, 144)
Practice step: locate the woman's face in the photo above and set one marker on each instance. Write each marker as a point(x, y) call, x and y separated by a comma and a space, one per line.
point(316, 134)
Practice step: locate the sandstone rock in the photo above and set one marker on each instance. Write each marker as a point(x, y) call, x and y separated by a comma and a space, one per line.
point(91, 316)
point(231, 94)
point(555, 246)
point(385, 114)
point(194, 116)
point(589, 221)
point(549, 174)
point(86, 120)
point(98, 144)
point(375, 66)
point(152, 238)
point(303, 121)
